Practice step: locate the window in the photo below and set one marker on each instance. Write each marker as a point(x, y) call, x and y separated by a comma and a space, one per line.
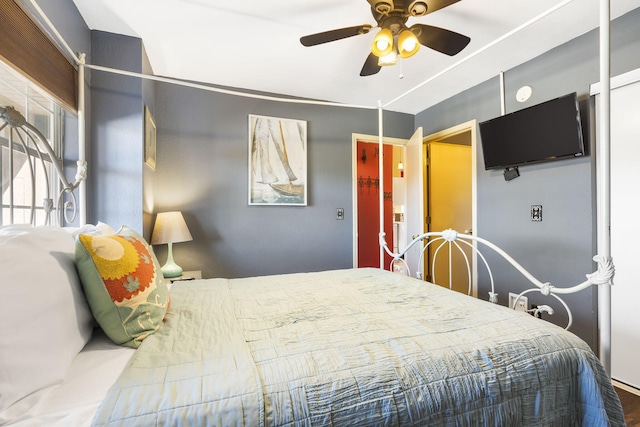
point(46, 116)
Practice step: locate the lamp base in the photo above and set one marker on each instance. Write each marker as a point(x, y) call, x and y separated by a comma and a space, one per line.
point(170, 268)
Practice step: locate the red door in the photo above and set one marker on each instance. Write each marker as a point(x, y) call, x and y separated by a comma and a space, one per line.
point(369, 203)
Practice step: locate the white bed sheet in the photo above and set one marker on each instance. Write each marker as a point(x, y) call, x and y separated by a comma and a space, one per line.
point(75, 401)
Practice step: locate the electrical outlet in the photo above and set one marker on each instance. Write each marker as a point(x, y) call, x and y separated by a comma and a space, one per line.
point(537, 313)
point(523, 302)
point(340, 213)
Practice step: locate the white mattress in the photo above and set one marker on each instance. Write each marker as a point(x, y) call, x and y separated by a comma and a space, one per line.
point(75, 401)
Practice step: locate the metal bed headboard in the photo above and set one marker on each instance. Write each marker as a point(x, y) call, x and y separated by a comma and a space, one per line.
point(456, 242)
point(26, 139)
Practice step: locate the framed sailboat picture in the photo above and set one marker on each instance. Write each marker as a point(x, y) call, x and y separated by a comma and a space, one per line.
point(277, 161)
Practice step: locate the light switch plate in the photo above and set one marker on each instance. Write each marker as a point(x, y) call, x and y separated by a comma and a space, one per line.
point(536, 213)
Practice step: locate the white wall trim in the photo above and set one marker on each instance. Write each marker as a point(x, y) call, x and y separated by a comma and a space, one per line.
point(470, 126)
point(625, 387)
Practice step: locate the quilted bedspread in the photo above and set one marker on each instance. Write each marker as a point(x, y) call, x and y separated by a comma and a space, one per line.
point(355, 347)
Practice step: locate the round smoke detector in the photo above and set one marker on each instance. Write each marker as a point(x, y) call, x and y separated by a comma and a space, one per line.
point(524, 93)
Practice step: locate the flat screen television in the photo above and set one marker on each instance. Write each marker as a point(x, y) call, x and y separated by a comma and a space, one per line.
point(548, 131)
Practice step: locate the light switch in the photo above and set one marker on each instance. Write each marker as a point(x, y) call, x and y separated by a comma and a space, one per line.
point(536, 212)
point(340, 213)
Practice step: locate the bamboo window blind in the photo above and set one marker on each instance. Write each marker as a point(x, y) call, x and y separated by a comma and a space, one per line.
point(25, 47)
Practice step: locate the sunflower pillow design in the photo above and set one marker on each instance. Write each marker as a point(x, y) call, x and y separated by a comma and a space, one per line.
point(123, 284)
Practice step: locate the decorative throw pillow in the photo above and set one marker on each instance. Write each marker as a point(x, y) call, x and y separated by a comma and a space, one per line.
point(123, 283)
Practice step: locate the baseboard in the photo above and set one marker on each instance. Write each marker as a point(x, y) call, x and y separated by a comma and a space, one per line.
point(626, 387)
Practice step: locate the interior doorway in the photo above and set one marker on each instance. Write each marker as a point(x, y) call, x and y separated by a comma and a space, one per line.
point(366, 197)
point(370, 187)
point(450, 201)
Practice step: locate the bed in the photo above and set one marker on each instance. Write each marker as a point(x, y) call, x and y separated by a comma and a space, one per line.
point(106, 342)
point(344, 347)
point(86, 341)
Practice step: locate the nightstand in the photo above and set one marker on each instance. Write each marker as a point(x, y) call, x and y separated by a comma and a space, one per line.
point(186, 275)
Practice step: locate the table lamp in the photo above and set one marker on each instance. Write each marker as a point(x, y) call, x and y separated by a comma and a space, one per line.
point(170, 228)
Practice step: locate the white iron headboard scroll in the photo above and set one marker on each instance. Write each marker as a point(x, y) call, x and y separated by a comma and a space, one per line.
point(456, 241)
point(35, 146)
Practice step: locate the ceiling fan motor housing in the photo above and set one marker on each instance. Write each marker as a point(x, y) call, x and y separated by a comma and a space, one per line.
point(394, 22)
point(381, 6)
point(417, 8)
point(408, 8)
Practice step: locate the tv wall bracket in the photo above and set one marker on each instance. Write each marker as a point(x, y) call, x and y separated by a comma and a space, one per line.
point(511, 173)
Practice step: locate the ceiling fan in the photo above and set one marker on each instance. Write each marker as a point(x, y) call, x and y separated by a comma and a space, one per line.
point(395, 38)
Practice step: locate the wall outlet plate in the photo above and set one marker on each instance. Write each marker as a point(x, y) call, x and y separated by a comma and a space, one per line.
point(523, 302)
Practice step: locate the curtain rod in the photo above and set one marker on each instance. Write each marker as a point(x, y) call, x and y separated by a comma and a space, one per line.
point(220, 90)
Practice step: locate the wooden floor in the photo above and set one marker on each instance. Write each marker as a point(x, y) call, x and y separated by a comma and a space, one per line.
point(631, 405)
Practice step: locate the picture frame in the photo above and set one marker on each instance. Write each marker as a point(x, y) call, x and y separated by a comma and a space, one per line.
point(149, 139)
point(277, 161)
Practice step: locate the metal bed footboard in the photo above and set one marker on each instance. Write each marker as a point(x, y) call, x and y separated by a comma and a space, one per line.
point(455, 241)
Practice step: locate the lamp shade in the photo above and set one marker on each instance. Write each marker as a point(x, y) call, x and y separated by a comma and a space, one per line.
point(382, 43)
point(170, 227)
point(408, 44)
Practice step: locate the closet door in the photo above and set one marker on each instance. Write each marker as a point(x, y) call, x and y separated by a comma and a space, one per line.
point(625, 205)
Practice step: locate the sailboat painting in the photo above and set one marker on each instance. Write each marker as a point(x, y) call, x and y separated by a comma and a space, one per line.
point(277, 161)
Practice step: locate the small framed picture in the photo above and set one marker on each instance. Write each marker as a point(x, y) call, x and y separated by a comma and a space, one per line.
point(149, 139)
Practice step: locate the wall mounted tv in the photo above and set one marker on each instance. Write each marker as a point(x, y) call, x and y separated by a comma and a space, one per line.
point(544, 132)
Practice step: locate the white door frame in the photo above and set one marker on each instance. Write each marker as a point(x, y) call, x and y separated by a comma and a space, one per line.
point(470, 126)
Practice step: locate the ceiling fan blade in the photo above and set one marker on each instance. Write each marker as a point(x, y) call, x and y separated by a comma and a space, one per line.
point(445, 41)
point(333, 35)
point(370, 66)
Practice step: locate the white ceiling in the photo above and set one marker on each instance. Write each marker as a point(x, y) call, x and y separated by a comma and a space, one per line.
point(254, 44)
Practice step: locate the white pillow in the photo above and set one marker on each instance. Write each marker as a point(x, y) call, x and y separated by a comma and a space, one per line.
point(100, 229)
point(45, 319)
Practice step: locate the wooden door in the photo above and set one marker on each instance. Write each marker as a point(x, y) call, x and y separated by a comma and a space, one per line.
point(414, 199)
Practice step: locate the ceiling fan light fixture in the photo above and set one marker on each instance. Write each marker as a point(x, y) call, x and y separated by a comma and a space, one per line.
point(382, 43)
point(408, 44)
point(389, 59)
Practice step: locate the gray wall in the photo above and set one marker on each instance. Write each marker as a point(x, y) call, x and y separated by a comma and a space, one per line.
point(115, 191)
point(558, 249)
point(203, 171)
